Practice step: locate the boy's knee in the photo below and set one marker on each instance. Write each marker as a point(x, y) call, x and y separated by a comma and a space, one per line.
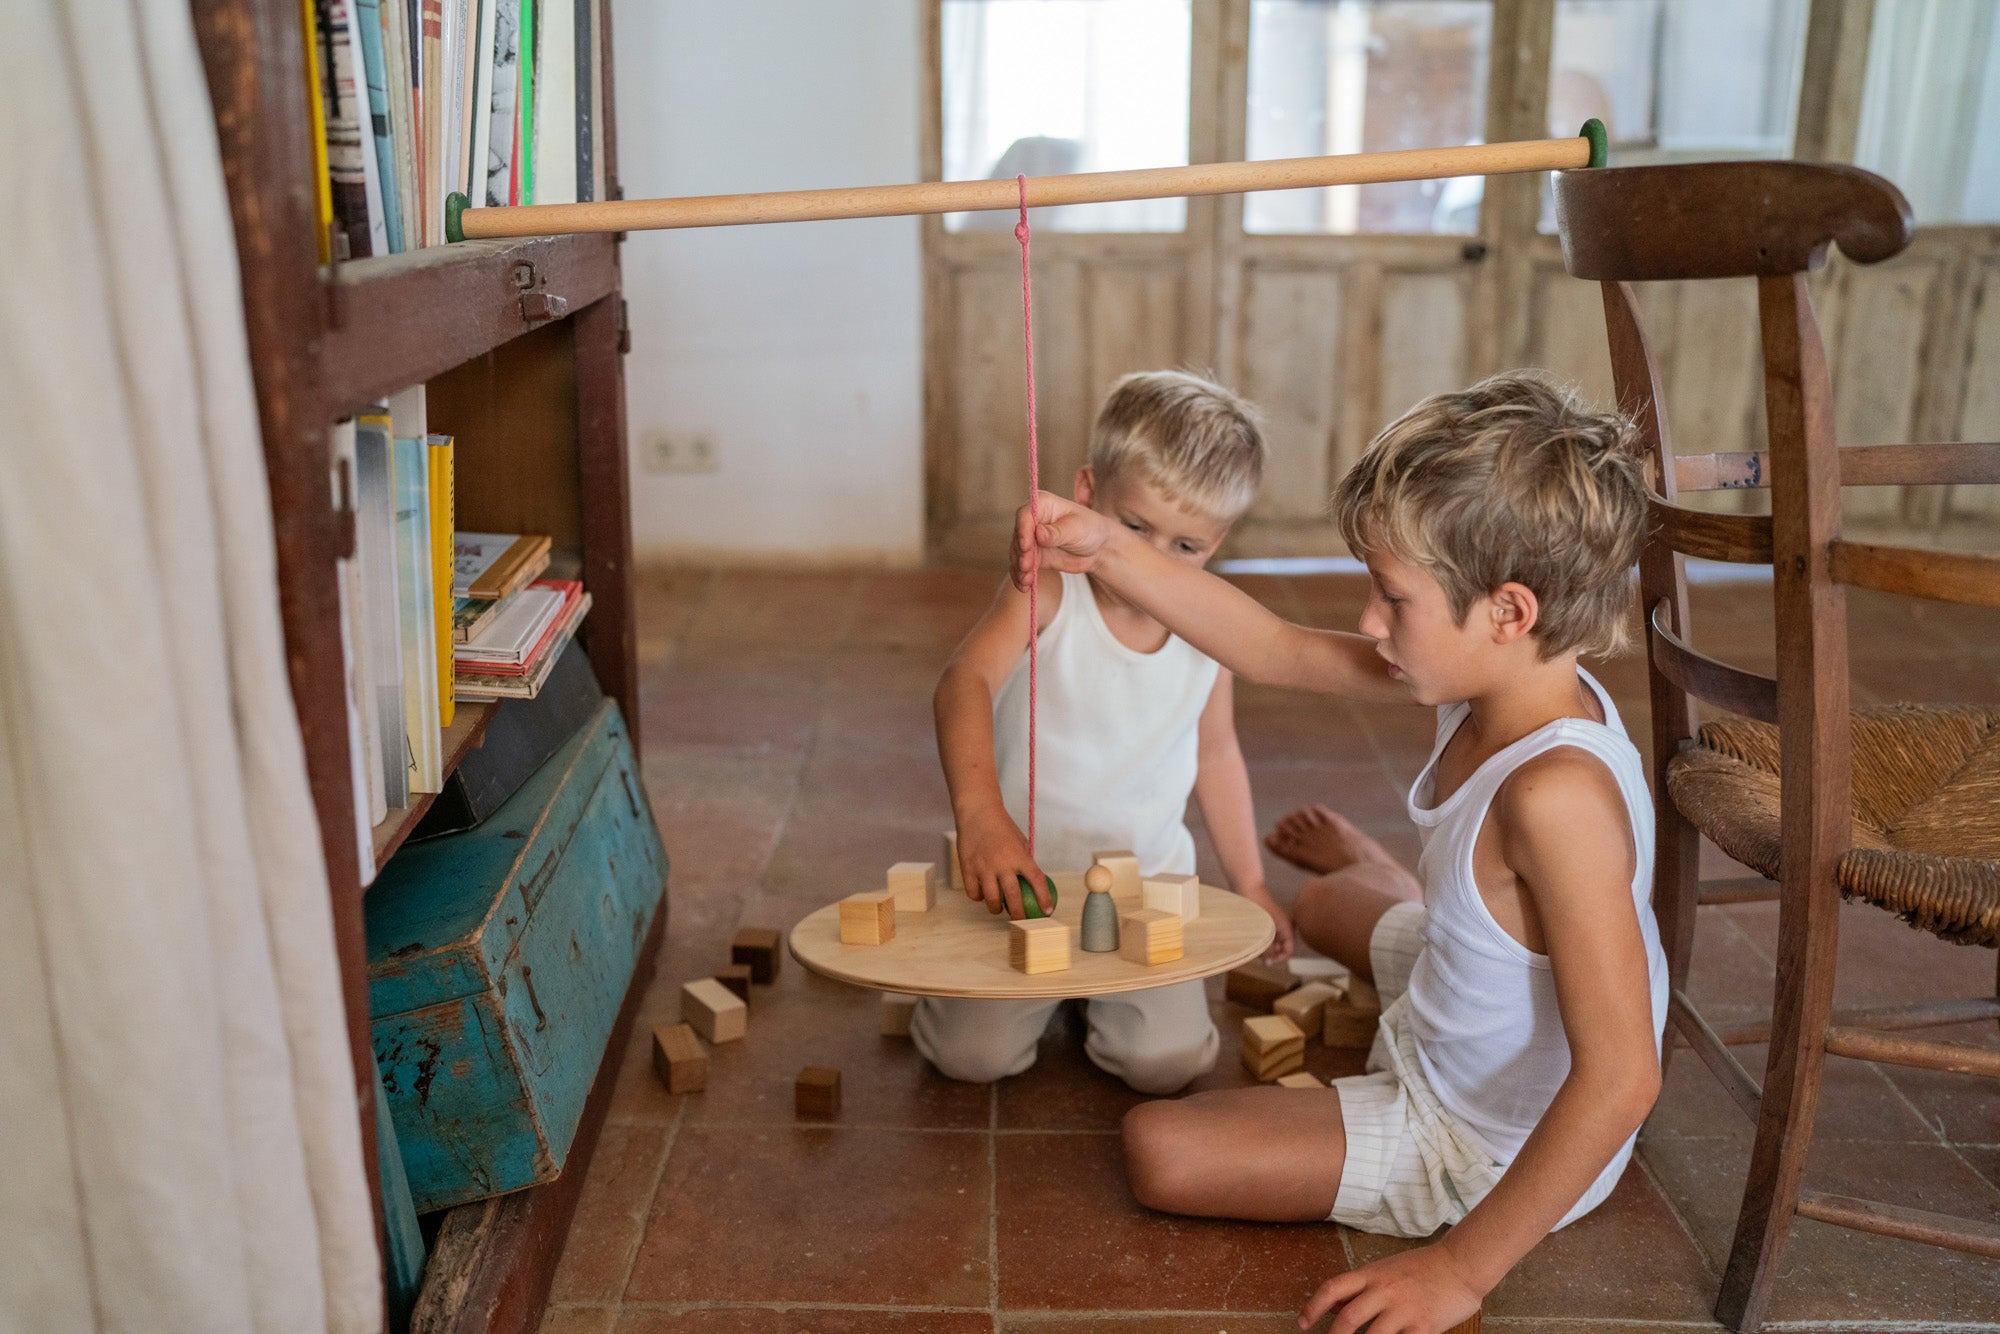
point(1156, 1155)
point(1164, 1072)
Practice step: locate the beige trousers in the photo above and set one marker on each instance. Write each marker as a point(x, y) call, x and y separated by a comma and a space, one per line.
point(1155, 1040)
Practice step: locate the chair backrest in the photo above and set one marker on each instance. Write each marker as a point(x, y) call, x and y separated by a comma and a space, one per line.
point(1772, 222)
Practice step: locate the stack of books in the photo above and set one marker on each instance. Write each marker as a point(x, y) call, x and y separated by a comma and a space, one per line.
point(419, 99)
point(509, 626)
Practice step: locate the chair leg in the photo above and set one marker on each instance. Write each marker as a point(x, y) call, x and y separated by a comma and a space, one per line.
point(1802, 1006)
point(1676, 890)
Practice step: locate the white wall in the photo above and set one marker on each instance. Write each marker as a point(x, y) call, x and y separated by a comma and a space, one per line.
point(798, 345)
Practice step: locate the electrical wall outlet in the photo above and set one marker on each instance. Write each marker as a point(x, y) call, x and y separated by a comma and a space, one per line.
point(691, 451)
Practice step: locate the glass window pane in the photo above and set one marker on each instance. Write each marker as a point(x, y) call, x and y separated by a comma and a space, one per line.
point(1930, 107)
point(1050, 87)
point(1363, 76)
point(1689, 80)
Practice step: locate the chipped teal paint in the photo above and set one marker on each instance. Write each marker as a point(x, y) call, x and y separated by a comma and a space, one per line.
point(403, 1269)
point(498, 959)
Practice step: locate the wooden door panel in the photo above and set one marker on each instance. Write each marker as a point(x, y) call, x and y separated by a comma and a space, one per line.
point(986, 381)
point(1424, 329)
point(1979, 415)
point(1291, 368)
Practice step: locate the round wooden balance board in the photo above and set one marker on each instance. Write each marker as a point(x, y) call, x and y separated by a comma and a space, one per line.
point(960, 949)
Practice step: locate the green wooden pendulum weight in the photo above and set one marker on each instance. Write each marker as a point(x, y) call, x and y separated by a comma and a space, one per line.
point(1100, 915)
point(1029, 907)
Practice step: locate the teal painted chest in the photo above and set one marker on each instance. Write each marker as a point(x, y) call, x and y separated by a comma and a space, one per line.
point(498, 959)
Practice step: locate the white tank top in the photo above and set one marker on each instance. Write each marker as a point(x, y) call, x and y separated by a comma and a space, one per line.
point(1118, 738)
point(1482, 1006)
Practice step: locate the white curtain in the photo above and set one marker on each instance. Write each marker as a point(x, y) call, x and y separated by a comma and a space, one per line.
point(179, 1141)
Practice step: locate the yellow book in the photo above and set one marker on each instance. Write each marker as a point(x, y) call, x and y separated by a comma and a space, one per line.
point(443, 520)
point(322, 182)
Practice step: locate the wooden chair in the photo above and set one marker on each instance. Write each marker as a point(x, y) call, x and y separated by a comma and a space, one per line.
point(1898, 806)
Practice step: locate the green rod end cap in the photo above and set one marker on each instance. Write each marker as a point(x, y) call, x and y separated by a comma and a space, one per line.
point(455, 205)
point(1600, 142)
point(1030, 908)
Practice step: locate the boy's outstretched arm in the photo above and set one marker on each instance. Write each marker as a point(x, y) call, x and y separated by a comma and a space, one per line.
point(991, 849)
point(1207, 611)
point(1565, 835)
point(1222, 787)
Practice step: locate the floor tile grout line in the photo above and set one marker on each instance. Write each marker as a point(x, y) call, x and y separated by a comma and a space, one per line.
point(1680, 1220)
point(652, 1199)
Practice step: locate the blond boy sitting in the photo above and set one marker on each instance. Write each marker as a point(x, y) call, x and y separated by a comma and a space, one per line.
point(1519, 1047)
point(1131, 720)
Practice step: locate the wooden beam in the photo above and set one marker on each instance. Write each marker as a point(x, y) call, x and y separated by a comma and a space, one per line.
point(1836, 64)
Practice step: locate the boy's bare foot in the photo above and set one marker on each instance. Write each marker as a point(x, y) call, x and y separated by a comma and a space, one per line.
point(1316, 839)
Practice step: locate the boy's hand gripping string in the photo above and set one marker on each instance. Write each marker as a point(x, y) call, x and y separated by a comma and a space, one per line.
point(1034, 486)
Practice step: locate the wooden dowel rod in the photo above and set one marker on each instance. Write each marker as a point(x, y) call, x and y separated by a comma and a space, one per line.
point(881, 201)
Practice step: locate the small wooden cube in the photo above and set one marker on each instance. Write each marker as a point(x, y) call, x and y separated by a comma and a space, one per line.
point(1124, 868)
point(1038, 945)
point(1272, 1046)
point(817, 1093)
point(914, 886)
point(678, 1059)
point(1303, 1007)
point(953, 868)
point(1258, 985)
point(1299, 1079)
point(736, 976)
point(868, 919)
point(1349, 1021)
point(1149, 937)
point(757, 946)
point(714, 1010)
point(1177, 894)
point(897, 1011)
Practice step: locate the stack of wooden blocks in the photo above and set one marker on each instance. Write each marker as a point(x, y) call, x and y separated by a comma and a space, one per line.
point(1272, 1046)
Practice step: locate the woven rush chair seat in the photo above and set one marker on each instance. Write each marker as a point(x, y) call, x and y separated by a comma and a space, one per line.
point(1926, 840)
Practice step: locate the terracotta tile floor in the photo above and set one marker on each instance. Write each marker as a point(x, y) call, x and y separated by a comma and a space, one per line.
point(789, 755)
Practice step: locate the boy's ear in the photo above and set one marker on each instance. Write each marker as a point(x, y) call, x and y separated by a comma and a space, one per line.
point(1085, 487)
point(1516, 611)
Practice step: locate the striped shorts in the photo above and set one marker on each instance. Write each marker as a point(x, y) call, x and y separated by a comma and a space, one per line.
point(1411, 1167)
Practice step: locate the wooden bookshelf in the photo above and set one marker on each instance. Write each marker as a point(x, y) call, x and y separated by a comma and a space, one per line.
point(521, 343)
point(467, 731)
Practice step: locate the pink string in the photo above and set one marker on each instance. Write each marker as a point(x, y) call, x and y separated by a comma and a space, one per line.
point(1034, 485)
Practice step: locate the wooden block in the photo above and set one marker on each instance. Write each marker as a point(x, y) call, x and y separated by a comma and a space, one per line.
point(736, 976)
point(1258, 985)
point(1177, 894)
point(896, 1014)
point(1272, 1046)
point(956, 871)
point(758, 946)
point(868, 919)
point(1303, 1007)
point(1150, 936)
point(1299, 1079)
point(817, 1093)
point(1466, 1327)
point(1124, 868)
point(914, 886)
point(1038, 945)
point(678, 1059)
point(714, 1010)
point(1349, 1021)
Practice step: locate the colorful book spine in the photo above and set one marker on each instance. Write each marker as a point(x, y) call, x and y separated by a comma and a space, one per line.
point(322, 183)
point(522, 188)
point(368, 22)
point(504, 85)
point(346, 157)
point(375, 544)
point(443, 507)
point(432, 84)
point(419, 619)
point(400, 67)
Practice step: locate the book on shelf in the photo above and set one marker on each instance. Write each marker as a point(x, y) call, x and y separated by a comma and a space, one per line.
point(375, 78)
point(350, 143)
point(492, 565)
point(416, 591)
point(382, 624)
point(364, 742)
point(316, 119)
point(509, 639)
point(469, 616)
point(443, 528)
point(491, 682)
